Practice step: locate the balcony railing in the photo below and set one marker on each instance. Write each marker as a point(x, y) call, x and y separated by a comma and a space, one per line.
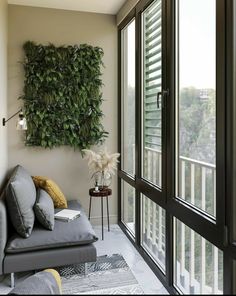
point(197, 179)
point(198, 265)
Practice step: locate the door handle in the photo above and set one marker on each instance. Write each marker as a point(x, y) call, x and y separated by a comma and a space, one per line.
point(159, 94)
point(162, 94)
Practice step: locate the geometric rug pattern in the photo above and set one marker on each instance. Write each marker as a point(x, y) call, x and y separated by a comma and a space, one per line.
point(110, 275)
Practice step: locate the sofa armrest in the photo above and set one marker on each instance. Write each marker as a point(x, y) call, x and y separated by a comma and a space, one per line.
point(46, 282)
point(3, 232)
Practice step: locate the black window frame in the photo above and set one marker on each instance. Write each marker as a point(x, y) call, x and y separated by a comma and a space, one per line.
point(219, 232)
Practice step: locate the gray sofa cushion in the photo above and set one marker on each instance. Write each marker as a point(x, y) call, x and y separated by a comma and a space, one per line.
point(20, 199)
point(41, 283)
point(64, 234)
point(44, 209)
point(3, 230)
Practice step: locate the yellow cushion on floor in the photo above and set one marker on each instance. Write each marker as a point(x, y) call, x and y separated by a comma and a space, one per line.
point(52, 189)
point(56, 276)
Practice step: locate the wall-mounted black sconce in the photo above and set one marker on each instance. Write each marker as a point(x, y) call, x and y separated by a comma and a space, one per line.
point(21, 123)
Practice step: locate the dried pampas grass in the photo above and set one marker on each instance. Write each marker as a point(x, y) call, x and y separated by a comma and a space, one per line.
point(101, 161)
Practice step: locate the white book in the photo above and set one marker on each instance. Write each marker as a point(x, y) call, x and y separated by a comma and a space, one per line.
point(67, 215)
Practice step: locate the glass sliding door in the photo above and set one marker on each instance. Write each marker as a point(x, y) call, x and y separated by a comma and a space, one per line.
point(152, 85)
point(196, 103)
point(174, 139)
point(153, 218)
point(154, 231)
point(128, 98)
point(127, 38)
point(128, 206)
point(198, 263)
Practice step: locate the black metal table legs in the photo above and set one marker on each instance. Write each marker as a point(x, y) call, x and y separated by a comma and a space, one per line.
point(108, 222)
point(108, 218)
point(102, 216)
point(90, 207)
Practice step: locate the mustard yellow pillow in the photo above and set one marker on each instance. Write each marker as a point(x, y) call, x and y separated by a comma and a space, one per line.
point(52, 189)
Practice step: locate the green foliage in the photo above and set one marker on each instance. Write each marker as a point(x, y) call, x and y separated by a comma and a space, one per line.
point(197, 124)
point(62, 95)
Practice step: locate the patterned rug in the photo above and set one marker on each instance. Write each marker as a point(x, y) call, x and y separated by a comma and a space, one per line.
point(109, 275)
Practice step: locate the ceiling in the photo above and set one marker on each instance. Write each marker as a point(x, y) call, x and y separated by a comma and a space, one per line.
point(98, 6)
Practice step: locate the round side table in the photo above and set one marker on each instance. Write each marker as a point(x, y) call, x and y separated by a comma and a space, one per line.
point(103, 192)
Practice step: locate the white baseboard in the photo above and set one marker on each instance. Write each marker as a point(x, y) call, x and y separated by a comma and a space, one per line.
point(97, 220)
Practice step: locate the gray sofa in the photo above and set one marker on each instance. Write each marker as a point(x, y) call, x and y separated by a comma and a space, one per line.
point(69, 243)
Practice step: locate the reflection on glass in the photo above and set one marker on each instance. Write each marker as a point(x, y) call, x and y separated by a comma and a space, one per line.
point(154, 231)
point(197, 103)
point(128, 98)
point(128, 206)
point(198, 263)
point(152, 75)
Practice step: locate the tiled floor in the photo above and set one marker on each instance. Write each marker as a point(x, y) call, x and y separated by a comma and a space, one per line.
point(115, 242)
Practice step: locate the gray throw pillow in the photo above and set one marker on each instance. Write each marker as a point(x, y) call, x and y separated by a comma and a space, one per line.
point(44, 209)
point(20, 200)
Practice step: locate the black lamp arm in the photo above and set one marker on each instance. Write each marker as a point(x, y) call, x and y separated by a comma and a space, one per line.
point(4, 120)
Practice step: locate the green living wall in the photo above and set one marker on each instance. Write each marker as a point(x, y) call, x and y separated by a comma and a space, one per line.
point(62, 95)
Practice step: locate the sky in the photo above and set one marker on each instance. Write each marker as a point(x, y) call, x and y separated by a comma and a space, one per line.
point(197, 44)
point(131, 53)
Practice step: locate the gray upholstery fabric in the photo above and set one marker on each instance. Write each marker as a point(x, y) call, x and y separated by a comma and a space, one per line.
point(20, 199)
point(42, 283)
point(44, 209)
point(65, 234)
point(3, 231)
point(49, 258)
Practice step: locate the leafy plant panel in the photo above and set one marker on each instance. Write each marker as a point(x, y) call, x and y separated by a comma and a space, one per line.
point(62, 95)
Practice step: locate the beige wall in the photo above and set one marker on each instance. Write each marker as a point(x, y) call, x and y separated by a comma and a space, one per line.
point(125, 9)
point(3, 89)
point(60, 27)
